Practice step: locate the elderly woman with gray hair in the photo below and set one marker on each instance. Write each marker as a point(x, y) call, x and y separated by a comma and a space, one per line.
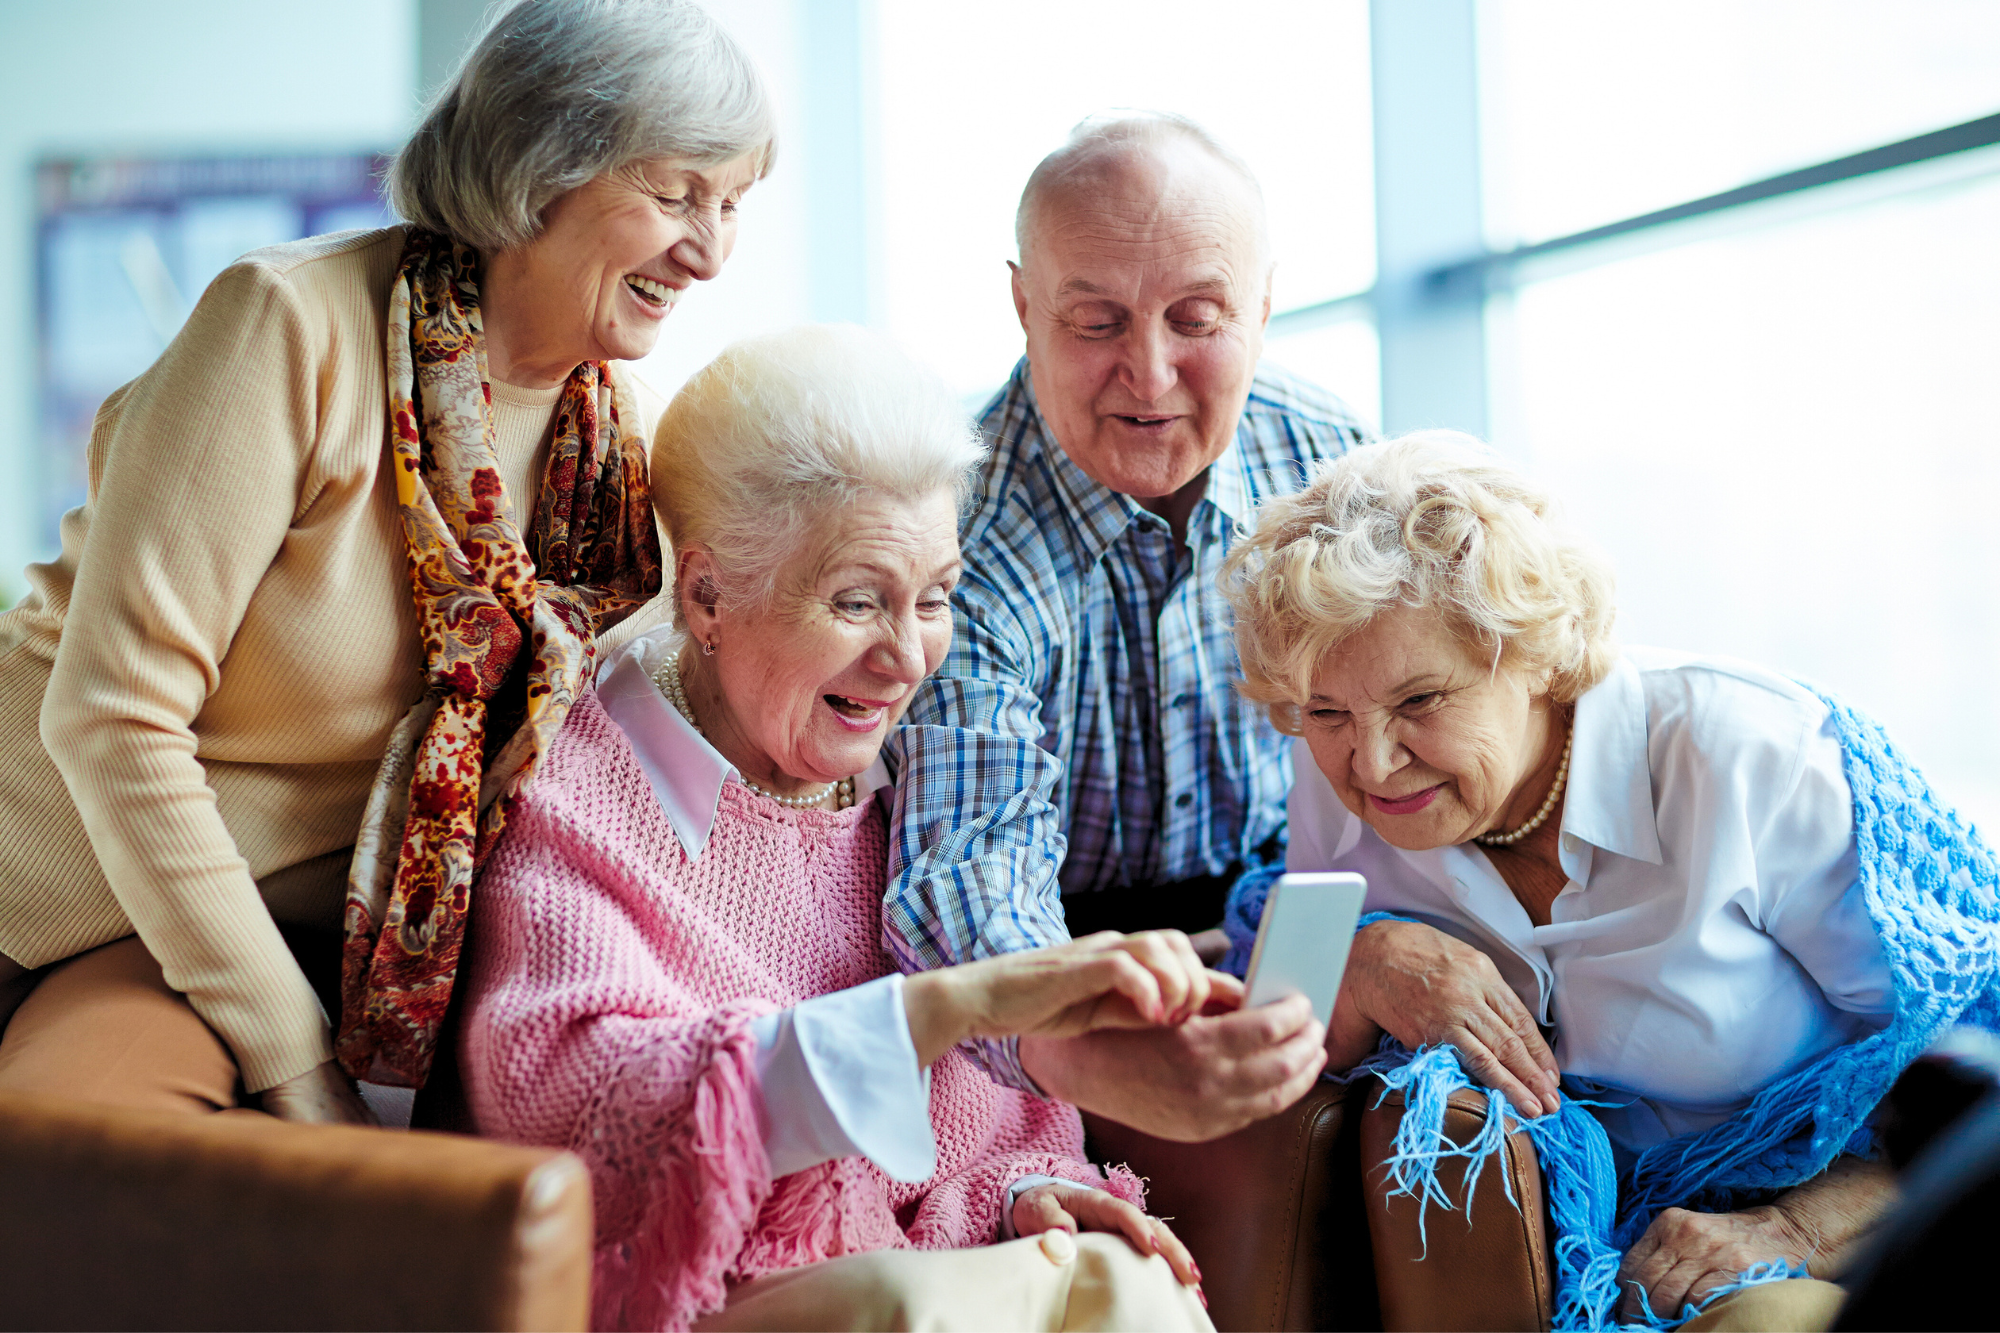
point(1716, 908)
point(345, 552)
point(680, 973)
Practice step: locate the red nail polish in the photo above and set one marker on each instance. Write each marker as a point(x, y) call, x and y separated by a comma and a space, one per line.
point(1198, 1295)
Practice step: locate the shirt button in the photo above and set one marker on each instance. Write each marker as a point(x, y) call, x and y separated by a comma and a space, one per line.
point(1184, 800)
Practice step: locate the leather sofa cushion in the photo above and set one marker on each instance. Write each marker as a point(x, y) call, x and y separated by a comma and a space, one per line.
point(1271, 1213)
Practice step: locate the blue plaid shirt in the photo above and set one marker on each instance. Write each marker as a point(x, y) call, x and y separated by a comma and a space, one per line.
point(1085, 732)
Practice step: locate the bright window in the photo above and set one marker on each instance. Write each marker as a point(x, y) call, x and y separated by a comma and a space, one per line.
point(1788, 440)
point(1599, 111)
point(1345, 357)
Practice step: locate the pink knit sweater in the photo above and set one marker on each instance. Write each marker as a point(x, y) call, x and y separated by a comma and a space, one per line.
point(612, 989)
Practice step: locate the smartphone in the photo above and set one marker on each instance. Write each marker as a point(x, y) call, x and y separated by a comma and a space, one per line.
point(1303, 940)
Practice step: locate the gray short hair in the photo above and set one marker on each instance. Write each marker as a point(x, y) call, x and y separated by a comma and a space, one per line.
point(783, 429)
point(1434, 520)
point(1094, 139)
point(557, 92)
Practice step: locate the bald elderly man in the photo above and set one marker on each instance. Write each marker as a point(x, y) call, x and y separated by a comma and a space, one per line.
point(1082, 761)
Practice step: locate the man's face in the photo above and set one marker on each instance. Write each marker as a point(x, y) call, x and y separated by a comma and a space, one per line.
point(1143, 293)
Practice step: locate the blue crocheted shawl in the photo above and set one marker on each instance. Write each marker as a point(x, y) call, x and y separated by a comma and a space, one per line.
point(1930, 888)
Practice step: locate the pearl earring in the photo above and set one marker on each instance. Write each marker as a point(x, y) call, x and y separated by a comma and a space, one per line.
point(707, 648)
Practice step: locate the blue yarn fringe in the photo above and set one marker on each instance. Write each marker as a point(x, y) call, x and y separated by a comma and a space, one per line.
point(1580, 1182)
point(1243, 910)
point(1933, 893)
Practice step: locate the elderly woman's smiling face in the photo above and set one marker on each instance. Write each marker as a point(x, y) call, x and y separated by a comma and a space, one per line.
point(1422, 737)
point(803, 690)
point(612, 257)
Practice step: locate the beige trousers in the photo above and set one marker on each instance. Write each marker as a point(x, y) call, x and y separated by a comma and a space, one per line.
point(105, 1027)
point(1796, 1305)
point(1099, 1282)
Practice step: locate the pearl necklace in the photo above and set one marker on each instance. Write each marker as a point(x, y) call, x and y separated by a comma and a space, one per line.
point(1548, 803)
point(667, 675)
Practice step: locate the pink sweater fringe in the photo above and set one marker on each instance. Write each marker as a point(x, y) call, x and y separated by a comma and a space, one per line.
point(612, 987)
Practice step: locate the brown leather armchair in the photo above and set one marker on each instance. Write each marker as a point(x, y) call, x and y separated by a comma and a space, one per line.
point(1486, 1265)
point(1272, 1213)
point(112, 1218)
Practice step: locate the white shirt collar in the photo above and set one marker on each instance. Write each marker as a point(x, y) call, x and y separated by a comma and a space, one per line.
point(686, 772)
point(1610, 801)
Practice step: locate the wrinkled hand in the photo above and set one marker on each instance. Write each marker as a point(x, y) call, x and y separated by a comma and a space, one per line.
point(1209, 1076)
point(323, 1095)
point(1421, 986)
point(1073, 1208)
point(1106, 980)
point(1683, 1256)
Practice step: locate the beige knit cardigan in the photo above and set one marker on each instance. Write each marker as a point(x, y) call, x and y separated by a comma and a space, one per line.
point(195, 694)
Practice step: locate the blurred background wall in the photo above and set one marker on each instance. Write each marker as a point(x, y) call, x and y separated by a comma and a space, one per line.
point(109, 79)
point(1631, 244)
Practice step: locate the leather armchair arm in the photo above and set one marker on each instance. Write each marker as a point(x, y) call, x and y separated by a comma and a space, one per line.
point(112, 1218)
point(1487, 1262)
point(1271, 1213)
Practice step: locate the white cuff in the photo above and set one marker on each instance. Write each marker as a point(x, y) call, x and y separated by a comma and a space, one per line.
point(840, 1077)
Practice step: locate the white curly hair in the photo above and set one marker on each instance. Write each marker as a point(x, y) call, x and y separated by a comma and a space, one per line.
point(1431, 520)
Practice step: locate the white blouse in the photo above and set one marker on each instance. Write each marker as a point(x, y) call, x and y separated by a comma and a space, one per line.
point(1711, 936)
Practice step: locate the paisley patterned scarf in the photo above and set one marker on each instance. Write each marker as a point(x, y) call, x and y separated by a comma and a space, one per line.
point(507, 619)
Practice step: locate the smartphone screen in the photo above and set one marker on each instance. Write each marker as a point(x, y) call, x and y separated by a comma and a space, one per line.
point(1303, 939)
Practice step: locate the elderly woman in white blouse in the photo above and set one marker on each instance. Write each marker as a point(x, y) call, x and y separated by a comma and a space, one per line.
point(1632, 866)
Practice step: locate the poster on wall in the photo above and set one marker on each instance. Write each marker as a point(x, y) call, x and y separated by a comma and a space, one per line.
point(126, 246)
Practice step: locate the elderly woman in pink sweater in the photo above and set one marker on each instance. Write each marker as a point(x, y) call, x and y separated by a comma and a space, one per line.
point(679, 974)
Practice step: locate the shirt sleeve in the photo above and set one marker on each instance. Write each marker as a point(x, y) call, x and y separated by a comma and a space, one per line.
point(202, 466)
point(977, 840)
point(1813, 903)
point(840, 1078)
